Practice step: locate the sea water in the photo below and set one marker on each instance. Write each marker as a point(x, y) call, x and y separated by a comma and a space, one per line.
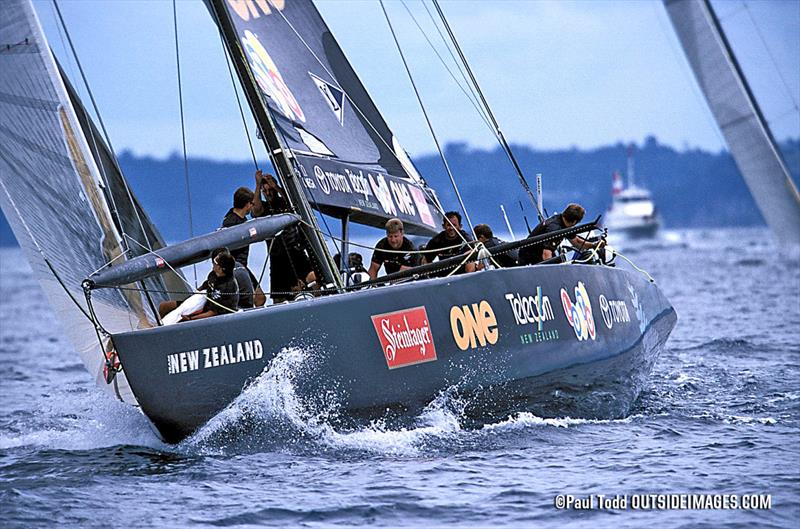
point(719, 419)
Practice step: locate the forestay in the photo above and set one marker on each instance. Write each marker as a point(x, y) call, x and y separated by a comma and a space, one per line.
point(349, 160)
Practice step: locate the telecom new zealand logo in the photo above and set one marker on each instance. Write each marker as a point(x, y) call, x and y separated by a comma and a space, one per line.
point(533, 310)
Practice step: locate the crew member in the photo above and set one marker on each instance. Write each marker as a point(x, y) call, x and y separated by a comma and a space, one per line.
point(571, 216)
point(449, 242)
point(249, 289)
point(222, 291)
point(394, 251)
point(290, 270)
point(484, 234)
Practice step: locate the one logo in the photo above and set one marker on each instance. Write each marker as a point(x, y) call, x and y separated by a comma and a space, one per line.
point(405, 337)
point(533, 310)
point(473, 325)
point(269, 79)
point(381, 190)
point(333, 95)
point(160, 263)
point(253, 232)
point(614, 311)
point(322, 178)
point(579, 313)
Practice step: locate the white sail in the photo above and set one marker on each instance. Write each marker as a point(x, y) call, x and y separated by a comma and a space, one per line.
point(52, 192)
point(738, 116)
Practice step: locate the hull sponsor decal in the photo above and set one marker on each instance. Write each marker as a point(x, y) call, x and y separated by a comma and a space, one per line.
point(614, 311)
point(473, 325)
point(216, 356)
point(405, 337)
point(579, 313)
point(535, 311)
point(638, 308)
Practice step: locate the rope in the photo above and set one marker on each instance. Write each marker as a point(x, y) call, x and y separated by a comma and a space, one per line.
point(473, 99)
point(339, 239)
point(183, 128)
point(427, 119)
point(488, 109)
point(771, 57)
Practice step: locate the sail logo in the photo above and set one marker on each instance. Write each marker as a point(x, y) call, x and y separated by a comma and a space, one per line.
point(473, 325)
point(332, 95)
point(383, 193)
point(269, 79)
point(579, 313)
point(405, 337)
point(332, 181)
point(614, 311)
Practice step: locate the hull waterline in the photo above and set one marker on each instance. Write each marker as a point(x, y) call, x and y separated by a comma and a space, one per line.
point(510, 338)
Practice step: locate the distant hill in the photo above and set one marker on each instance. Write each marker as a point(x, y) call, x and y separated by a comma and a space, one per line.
point(691, 188)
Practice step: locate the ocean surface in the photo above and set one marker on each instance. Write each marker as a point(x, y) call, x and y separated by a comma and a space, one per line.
point(721, 415)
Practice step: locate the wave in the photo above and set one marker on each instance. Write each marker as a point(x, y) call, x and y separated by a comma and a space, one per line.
point(526, 419)
point(271, 414)
point(78, 420)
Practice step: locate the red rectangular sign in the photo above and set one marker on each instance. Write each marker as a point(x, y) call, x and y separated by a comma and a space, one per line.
point(405, 337)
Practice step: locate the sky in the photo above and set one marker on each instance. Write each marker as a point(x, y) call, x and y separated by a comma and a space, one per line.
point(557, 74)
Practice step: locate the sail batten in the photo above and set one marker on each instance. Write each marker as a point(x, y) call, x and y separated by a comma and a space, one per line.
point(738, 115)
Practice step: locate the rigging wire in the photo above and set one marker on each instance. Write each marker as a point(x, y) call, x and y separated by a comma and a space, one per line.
point(504, 143)
point(183, 128)
point(471, 97)
point(427, 119)
point(238, 100)
point(106, 137)
point(771, 57)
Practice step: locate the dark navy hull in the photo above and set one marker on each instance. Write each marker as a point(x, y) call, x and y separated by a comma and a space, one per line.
point(571, 339)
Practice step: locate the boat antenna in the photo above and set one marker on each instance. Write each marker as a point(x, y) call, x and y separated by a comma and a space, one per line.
point(427, 120)
point(508, 224)
point(489, 112)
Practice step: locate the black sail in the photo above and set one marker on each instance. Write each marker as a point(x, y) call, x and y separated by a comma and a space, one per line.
point(349, 160)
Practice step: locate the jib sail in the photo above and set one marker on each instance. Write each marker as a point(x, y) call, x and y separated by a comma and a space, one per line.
point(350, 162)
point(56, 197)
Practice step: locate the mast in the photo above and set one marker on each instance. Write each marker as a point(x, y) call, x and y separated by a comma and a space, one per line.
point(279, 155)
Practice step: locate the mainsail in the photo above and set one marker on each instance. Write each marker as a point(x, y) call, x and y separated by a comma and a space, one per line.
point(57, 198)
point(349, 160)
point(738, 115)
